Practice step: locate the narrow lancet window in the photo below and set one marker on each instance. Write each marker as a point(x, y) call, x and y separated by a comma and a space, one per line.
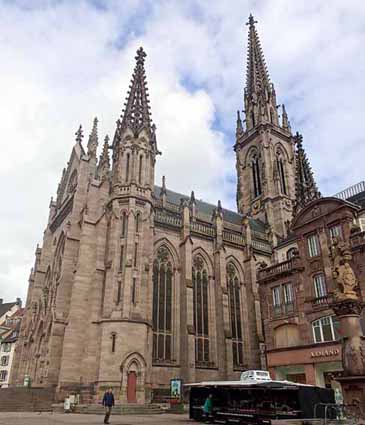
point(140, 169)
point(201, 306)
point(256, 178)
point(127, 168)
point(235, 314)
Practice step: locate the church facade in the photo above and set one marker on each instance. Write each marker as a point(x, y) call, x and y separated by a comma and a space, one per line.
point(136, 284)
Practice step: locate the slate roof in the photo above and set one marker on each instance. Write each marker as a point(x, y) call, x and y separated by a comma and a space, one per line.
point(208, 209)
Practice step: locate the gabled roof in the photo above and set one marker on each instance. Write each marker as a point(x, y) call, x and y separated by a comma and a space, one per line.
point(5, 307)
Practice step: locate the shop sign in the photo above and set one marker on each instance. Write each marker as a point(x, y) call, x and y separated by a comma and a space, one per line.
point(325, 353)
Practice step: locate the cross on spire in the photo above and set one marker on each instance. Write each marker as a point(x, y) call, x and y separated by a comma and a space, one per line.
point(79, 135)
point(136, 114)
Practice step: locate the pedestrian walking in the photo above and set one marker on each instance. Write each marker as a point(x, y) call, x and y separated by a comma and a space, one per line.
point(108, 403)
point(208, 408)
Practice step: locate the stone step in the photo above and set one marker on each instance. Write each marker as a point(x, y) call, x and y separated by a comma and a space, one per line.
point(124, 409)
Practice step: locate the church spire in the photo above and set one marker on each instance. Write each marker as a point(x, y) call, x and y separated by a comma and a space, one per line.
point(257, 75)
point(136, 114)
point(259, 94)
point(305, 187)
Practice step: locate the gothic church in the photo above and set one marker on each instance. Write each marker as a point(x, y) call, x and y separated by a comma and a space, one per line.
point(136, 284)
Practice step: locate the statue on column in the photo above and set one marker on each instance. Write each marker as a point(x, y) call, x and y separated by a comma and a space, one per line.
point(342, 272)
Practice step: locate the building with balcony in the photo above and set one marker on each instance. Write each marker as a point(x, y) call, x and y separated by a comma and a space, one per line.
point(301, 331)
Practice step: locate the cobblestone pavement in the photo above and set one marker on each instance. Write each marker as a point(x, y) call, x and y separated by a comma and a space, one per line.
point(24, 418)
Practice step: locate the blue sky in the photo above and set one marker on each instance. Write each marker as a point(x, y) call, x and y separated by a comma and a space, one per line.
point(64, 62)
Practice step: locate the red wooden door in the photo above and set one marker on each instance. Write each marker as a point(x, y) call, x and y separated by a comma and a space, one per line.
point(132, 387)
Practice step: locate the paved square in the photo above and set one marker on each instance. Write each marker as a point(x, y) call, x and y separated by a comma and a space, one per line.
point(25, 418)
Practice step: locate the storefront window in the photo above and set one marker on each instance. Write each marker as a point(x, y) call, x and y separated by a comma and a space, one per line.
point(325, 329)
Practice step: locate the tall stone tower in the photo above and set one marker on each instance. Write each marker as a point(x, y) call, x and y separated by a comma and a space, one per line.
point(129, 255)
point(265, 154)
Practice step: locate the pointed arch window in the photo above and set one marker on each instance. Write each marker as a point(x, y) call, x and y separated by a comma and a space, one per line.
point(124, 224)
point(281, 170)
point(201, 306)
point(138, 222)
point(233, 285)
point(256, 175)
point(140, 169)
point(253, 118)
point(162, 306)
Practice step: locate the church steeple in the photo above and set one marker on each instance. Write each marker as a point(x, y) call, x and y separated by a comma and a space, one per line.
point(305, 186)
point(264, 147)
point(260, 96)
point(134, 144)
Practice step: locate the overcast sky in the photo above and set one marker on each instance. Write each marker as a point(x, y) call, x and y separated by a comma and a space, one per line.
point(65, 62)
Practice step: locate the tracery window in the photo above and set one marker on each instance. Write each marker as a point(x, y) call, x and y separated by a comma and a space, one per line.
point(162, 306)
point(233, 285)
point(256, 176)
point(201, 306)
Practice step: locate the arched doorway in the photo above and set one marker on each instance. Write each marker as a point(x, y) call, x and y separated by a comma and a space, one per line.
point(133, 369)
point(132, 387)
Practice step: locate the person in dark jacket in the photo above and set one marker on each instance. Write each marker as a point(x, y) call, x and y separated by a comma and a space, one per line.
point(108, 403)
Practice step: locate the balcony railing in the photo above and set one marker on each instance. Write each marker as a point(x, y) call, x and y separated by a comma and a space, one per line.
point(321, 301)
point(284, 309)
point(286, 267)
point(357, 239)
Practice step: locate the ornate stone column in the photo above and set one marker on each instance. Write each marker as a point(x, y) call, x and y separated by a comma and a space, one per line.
point(348, 306)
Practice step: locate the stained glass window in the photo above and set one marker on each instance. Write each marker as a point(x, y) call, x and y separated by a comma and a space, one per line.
point(235, 314)
point(201, 306)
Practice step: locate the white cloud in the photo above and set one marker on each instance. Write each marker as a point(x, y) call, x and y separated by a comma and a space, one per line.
point(65, 62)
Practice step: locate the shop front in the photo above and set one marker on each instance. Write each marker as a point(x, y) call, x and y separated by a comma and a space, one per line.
point(317, 364)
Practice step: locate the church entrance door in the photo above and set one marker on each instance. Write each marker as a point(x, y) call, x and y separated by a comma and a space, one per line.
point(132, 387)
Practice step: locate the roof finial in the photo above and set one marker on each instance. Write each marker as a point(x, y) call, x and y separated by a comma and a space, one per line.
point(104, 161)
point(92, 144)
point(305, 186)
point(239, 128)
point(79, 135)
point(163, 187)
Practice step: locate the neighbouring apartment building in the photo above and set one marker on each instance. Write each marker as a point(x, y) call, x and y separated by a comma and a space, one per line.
point(301, 331)
point(10, 318)
point(136, 284)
